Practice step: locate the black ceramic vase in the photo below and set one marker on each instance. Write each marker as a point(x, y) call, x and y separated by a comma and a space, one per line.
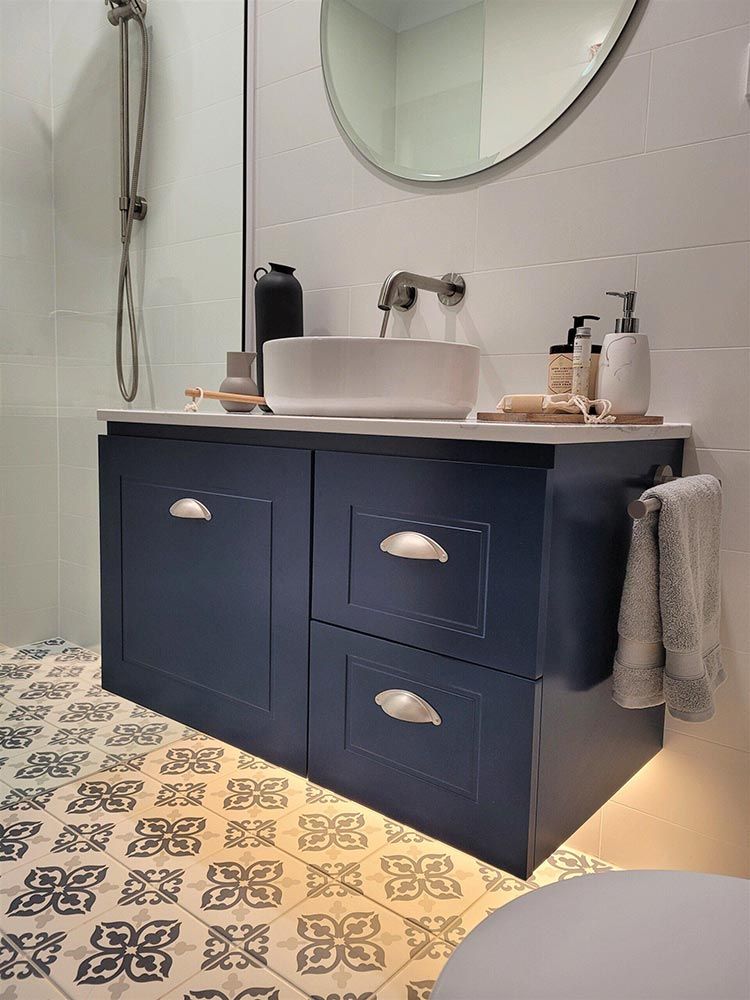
point(278, 309)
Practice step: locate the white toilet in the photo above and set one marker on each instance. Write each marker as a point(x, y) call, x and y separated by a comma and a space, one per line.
point(637, 935)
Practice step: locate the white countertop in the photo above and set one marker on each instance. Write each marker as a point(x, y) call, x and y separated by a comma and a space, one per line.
point(448, 430)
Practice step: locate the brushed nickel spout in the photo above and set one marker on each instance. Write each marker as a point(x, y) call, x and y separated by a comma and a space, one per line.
point(399, 291)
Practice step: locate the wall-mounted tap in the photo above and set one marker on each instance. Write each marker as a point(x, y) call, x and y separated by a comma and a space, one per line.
point(399, 291)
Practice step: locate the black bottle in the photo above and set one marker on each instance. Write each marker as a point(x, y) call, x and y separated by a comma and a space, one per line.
point(278, 310)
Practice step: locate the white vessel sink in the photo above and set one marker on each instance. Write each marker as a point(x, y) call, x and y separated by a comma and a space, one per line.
point(370, 377)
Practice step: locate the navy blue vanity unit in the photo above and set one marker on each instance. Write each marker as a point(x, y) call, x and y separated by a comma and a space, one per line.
point(426, 626)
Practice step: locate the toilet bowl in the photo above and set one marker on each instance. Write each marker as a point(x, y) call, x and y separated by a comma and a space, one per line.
point(637, 935)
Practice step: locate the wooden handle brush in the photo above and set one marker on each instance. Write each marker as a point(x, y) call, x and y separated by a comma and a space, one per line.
point(230, 397)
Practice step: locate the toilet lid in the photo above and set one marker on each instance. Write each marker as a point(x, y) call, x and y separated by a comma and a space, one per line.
point(639, 935)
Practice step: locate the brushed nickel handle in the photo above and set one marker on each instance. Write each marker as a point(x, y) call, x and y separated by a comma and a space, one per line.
point(188, 507)
point(413, 545)
point(407, 706)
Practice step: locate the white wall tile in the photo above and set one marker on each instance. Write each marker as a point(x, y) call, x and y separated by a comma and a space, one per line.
point(730, 726)
point(304, 183)
point(200, 76)
point(623, 206)
point(18, 628)
point(609, 125)
point(667, 21)
point(695, 298)
point(27, 538)
point(27, 441)
point(696, 386)
point(28, 587)
point(735, 600)
point(698, 90)
point(732, 468)
point(715, 802)
point(632, 839)
point(293, 113)
point(288, 41)
point(327, 312)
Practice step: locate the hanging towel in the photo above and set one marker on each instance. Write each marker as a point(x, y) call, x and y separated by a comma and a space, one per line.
point(668, 650)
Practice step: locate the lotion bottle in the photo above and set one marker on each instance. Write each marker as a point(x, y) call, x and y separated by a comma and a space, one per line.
point(625, 366)
point(560, 364)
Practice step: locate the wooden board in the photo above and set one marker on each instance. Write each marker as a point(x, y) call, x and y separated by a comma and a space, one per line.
point(560, 418)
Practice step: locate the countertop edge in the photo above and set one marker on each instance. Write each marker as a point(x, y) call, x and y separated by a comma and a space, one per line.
point(449, 430)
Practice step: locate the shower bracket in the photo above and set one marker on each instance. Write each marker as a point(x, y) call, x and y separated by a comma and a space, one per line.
point(140, 210)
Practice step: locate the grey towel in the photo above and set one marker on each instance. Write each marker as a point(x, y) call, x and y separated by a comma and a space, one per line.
point(668, 648)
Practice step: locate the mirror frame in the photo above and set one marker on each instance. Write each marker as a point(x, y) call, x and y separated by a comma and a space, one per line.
point(615, 33)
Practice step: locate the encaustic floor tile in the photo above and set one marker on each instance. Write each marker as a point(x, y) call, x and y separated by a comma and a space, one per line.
point(27, 833)
point(58, 892)
point(254, 885)
point(427, 882)
point(250, 984)
point(160, 838)
point(255, 791)
point(20, 976)
point(565, 864)
point(325, 833)
point(143, 953)
point(105, 796)
point(349, 945)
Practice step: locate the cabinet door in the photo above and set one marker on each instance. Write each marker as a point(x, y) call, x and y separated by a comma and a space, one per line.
point(205, 587)
point(446, 556)
point(447, 747)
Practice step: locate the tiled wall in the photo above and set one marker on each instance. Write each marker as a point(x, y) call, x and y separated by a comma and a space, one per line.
point(188, 252)
point(645, 185)
point(28, 415)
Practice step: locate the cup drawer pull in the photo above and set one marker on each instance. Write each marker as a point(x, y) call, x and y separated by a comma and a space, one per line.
point(188, 507)
point(413, 545)
point(407, 706)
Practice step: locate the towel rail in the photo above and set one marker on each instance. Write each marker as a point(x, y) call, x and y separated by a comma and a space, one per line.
point(639, 508)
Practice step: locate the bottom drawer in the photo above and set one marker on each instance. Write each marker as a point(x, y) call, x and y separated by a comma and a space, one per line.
point(445, 746)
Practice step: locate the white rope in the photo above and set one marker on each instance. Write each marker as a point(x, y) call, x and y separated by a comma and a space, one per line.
point(194, 404)
point(602, 408)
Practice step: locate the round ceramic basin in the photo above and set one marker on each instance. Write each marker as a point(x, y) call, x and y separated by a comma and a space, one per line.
point(370, 377)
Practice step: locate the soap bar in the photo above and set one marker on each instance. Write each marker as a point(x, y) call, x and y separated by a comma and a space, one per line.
point(519, 403)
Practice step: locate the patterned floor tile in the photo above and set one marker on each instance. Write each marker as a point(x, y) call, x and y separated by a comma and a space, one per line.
point(416, 980)
point(258, 883)
point(27, 833)
point(567, 863)
point(191, 759)
point(141, 954)
point(34, 771)
point(255, 790)
point(107, 795)
point(59, 892)
point(428, 882)
point(167, 837)
point(21, 978)
point(347, 946)
point(250, 984)
point(325, 833)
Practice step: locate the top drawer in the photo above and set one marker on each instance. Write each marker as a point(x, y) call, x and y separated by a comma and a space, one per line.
point(481, 603)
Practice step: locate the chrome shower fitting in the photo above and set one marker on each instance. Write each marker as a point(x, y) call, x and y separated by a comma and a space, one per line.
point(132, 206)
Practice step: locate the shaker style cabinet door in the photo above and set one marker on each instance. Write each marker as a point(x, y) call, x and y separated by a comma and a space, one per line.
point(205, 587)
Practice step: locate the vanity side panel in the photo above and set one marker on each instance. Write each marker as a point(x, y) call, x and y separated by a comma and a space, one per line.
point(589, 745)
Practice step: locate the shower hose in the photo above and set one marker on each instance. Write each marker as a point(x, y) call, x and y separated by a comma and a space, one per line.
point(129, 198)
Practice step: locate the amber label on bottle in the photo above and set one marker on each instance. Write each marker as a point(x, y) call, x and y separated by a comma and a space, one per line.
point(560, 374)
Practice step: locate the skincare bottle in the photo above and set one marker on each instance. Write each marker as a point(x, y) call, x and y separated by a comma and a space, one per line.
point(560, 365)
point(581, 362)
point(625, 367)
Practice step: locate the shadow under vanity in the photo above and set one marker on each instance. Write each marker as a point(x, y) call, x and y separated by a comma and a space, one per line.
point(468, 697)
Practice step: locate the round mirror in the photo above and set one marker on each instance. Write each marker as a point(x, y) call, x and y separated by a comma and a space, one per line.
point(436, 89)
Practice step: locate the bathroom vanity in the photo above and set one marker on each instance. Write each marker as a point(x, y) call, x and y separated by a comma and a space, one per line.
point(420, 615)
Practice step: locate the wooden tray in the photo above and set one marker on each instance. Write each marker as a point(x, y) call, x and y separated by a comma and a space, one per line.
point(560, 418)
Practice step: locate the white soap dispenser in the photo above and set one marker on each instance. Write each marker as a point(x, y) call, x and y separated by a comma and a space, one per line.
point(625, 365)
